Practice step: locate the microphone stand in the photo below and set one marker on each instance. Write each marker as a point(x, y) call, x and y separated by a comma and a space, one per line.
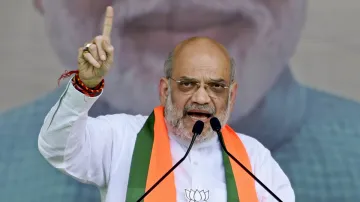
point(243, 167)
point(172, 168)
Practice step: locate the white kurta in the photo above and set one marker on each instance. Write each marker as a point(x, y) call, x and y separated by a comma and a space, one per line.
point(99, 151)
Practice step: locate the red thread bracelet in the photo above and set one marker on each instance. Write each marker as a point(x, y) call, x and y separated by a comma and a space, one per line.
point(91, 92)
point(80, 86)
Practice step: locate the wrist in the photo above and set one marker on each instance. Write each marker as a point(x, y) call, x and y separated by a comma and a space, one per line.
point(91, 89)
point(91, 83)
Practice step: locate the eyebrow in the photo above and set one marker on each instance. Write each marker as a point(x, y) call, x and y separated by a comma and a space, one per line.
point(217, 80)
point(186, 77)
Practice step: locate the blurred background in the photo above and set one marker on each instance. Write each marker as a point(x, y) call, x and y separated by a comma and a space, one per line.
point(313, 132)
point(327, 58)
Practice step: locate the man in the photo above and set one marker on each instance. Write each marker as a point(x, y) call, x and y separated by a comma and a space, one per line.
point(313, 135)
point(199, 84)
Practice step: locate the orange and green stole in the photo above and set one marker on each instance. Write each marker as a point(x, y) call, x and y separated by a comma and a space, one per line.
point(152, 159)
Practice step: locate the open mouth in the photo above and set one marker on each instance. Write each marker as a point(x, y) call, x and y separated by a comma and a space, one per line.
point(199, 115)
point(193, 22)
point(160, 32)
point(148, 38)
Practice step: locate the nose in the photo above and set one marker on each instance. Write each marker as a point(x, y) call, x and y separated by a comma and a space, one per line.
point(201, 96)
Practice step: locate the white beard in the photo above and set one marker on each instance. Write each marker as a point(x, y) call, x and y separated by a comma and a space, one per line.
point(175, 122)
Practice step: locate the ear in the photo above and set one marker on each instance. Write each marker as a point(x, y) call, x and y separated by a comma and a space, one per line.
point(163, 90)
point(233, 91)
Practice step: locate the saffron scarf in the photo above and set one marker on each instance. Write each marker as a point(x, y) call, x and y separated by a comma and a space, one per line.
point(152, 159)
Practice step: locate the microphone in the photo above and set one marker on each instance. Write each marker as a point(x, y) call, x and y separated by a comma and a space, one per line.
point(197, 129)
point(216, 126)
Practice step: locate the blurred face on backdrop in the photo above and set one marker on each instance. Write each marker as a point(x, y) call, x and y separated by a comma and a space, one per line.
point(261, 35)
point(197, 86)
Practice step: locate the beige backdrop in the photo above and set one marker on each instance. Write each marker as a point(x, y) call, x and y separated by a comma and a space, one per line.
point(328, 56)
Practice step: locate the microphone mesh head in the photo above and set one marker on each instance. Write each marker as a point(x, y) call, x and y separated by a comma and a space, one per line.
point(198, 127)
point(215, 124)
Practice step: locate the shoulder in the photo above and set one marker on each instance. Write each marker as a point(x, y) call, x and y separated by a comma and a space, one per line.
point(261, 159)
point(253, 146)
point(28, 117)
point(20, 127)
point(267, 170)
point(331, 130)
point(325, 147)
point(258, 154)
point(324, 108)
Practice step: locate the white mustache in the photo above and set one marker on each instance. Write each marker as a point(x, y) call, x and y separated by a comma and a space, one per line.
point(204, 108)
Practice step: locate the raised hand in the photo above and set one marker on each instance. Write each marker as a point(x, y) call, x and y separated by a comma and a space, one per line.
point(96, 57)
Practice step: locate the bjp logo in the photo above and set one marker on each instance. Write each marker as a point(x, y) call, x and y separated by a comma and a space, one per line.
point(197, 196)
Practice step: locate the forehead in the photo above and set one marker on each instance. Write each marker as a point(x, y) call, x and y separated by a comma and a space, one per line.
point(201, 60)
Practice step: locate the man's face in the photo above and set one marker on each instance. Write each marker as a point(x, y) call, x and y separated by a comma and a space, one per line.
point(199, 88)
point(260, 35)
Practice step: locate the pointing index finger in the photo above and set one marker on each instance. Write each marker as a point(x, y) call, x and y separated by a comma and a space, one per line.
point(108, 21)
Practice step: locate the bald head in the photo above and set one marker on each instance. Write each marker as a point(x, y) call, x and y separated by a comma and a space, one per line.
point(201, 44)
point(199, 49)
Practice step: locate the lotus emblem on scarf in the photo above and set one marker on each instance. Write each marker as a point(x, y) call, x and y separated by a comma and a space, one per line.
point(197, 195)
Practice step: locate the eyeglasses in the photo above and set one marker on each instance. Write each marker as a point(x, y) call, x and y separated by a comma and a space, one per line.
point(190, 86)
